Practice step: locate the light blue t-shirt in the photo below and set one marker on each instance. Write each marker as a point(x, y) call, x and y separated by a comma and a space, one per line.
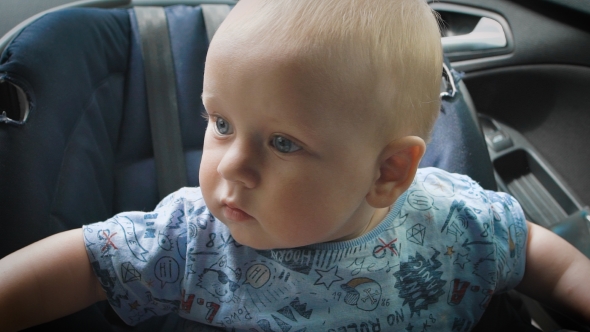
point(432, 264)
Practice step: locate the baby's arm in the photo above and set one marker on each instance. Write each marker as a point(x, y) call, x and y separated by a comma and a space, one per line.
point(556, 273)
point(46, 280)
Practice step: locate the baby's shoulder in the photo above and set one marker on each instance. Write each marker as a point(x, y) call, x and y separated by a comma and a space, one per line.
point(187, 196)
point(433, 187)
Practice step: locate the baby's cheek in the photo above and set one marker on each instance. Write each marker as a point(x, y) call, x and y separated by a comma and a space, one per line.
point(208, 184)
point(208, 170)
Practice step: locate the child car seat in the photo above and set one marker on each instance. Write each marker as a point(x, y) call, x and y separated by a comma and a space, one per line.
point(75, 135)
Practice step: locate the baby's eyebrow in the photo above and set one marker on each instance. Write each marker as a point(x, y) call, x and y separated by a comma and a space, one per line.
point(207, 96)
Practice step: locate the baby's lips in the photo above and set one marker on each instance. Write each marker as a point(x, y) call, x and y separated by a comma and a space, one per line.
point(234, 213)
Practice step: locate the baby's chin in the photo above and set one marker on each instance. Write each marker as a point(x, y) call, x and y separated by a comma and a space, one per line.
point(258, 243)
point(255, 244)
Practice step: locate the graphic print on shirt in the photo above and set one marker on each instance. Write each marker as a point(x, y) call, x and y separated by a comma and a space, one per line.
point(129, 272)
point(384, 248)
point(114, 293)
point(164, 241)
point(220, 280)
point(364, 293)
point(266, 285)
point(331, 287)
point(461, 243)
point(127, 229)
point(150, 232)
point(446, 245)
point(167, 270)
point(439, 184)
point(421, 201)
point(419, 282)
point(416, 234)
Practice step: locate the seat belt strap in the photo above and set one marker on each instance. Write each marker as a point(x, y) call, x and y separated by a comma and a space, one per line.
point(213, 16)
point(162, 105)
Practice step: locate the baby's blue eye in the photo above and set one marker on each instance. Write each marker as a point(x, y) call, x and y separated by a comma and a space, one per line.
point(284, 145)
point(222, 127)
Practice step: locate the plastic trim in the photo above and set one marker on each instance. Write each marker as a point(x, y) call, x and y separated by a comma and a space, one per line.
point(522, 144)
point(181, 2)
point(465, 55)
point(23, 104)
point(10, 35)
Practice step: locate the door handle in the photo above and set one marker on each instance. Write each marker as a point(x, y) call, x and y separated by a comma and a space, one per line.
point(488, 34)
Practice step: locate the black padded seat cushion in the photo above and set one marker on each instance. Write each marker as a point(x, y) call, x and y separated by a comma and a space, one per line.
point(85, 152)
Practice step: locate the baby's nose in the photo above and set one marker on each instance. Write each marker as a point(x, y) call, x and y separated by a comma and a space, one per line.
point(239, 164)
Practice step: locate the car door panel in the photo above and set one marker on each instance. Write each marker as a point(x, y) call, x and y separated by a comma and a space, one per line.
point(538, 85)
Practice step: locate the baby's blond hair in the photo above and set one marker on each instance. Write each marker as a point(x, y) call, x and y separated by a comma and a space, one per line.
point(388, 50)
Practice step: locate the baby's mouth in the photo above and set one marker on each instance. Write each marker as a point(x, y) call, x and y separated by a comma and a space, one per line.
point(233, 213)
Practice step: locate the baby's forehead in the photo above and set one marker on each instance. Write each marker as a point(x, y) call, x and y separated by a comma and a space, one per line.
point(360, 54)
point(308, 92)
point(296, 69)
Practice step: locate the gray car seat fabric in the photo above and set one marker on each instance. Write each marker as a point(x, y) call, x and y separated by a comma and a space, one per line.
point(85, 152)
point(457, 144)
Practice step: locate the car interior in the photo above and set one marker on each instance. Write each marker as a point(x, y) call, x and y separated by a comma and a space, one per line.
point(81, 138)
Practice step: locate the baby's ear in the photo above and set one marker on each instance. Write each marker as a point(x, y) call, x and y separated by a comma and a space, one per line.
point(397, 164)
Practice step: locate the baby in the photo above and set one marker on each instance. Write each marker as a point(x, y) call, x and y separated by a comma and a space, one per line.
point(312, 214)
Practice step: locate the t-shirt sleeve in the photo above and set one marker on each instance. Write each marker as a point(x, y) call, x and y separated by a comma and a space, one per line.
point(509, 227)
point(140, 257)
point(484, 232)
